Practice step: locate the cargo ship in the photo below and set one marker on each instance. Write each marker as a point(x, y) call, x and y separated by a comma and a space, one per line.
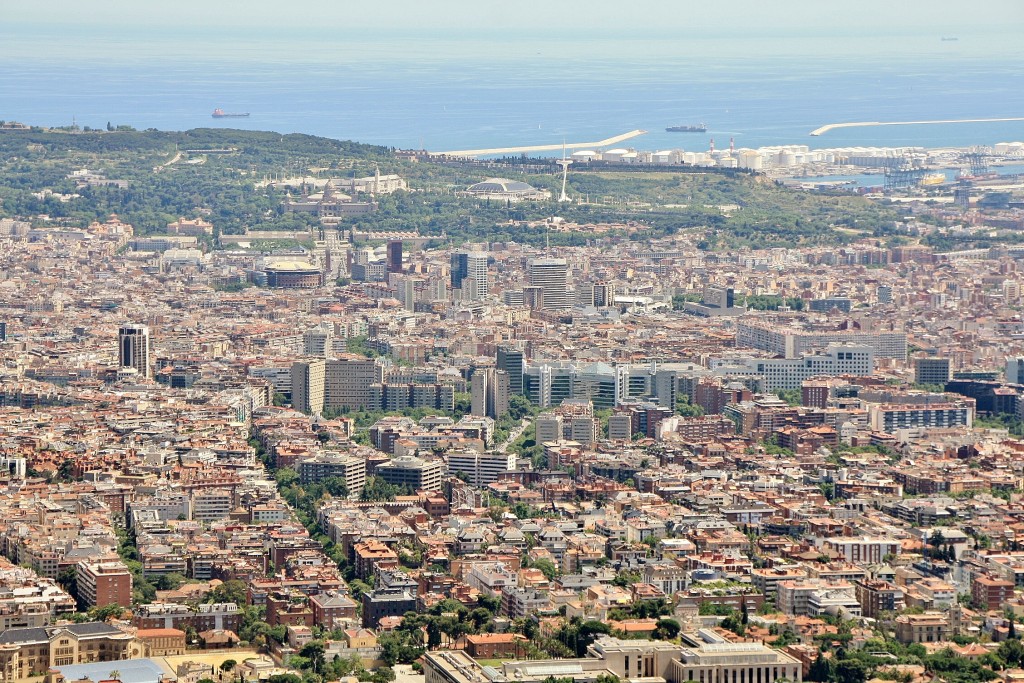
point(699, 128)
point(221, 114)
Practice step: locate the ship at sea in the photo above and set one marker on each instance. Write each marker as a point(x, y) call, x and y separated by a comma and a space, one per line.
point(699, 128)
point(221, 114)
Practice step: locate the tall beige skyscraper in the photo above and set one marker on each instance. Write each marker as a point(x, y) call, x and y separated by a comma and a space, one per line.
point(551, 276)
point(349, 382)
point(318, 341)
point(489, 392)
point(133, 349)
point(308, 385)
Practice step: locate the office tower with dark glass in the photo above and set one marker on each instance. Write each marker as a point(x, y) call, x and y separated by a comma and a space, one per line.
point(511, 360)
point(133, 349)
point(551, 276)
point(469, 273)
point(395, 256)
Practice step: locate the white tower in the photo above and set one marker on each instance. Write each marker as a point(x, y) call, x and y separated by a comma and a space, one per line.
point(564, 163)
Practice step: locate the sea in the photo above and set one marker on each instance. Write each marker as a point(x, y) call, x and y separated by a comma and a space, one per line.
point(451, 92)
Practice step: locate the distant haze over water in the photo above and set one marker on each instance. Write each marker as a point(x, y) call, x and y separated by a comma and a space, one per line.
point(460, 92)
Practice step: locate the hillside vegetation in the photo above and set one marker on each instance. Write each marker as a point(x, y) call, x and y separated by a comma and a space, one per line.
point(172, 174)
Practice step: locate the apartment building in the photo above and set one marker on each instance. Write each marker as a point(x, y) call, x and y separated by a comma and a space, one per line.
point(791, 373)
point(348, 381)
point(889, 417)
point(102, 583)
point(792, 342)
point(217, 616)
point(350, 468)
point(308, 385)
point(480, 469)
point(416, 473)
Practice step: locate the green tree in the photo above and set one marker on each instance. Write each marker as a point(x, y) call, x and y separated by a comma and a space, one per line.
point(547, 567)
point(626, 578)
point(313, 652)
point(283, 678)
point(376, 489)
point(170, 582)
point(687, 409)
point(286, 477)
point(106, 612)
point(667, 629)
point(231, 590)
point(850, 671)
point(821, 670)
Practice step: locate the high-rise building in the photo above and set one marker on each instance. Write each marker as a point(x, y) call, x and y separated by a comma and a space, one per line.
point(620, 427)
point(549, 427)
point(3, 331)
point(551, 276)
point(1015, 370)
point(533, 297)
point(470, 265)
point(416, 473)
point(104, 582)
point(308, 385)
point(480, 469)
point(511, 359)
point(790, 373)
point(394, 256)
point(962, 195)
point(791, 342)
point(666, 386)
point(603, 384)
point(406, 290)
point(133, 349)
point(318, 341)
point(489, 390)
point(931, 370)
point(349, 382)
point(604, 294)
point(548, 384)
point(715, 301)
point(350, 468)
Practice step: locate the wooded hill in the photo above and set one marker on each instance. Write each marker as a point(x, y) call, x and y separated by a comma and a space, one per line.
point(173, 174)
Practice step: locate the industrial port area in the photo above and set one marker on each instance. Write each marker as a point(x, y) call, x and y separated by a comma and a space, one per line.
point(907, 170)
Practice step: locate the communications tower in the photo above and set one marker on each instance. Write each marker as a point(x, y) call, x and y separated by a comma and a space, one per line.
point(564, 163)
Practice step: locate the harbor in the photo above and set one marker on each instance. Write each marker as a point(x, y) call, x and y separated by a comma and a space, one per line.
point(863, 124)
point(541, 148)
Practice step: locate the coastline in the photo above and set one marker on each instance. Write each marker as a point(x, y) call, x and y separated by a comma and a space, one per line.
point(863, 124)
point(542, 148)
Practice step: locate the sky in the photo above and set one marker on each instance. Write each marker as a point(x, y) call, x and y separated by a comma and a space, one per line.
point(569, 17)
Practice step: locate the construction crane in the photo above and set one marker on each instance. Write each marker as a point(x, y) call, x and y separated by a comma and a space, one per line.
point(977, 160)
point(901, 174)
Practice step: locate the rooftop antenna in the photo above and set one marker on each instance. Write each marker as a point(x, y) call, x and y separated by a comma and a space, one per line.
point(564, 163)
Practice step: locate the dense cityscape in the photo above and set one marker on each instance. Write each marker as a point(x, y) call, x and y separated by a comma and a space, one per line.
point(341, 451)
point(728, 402)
